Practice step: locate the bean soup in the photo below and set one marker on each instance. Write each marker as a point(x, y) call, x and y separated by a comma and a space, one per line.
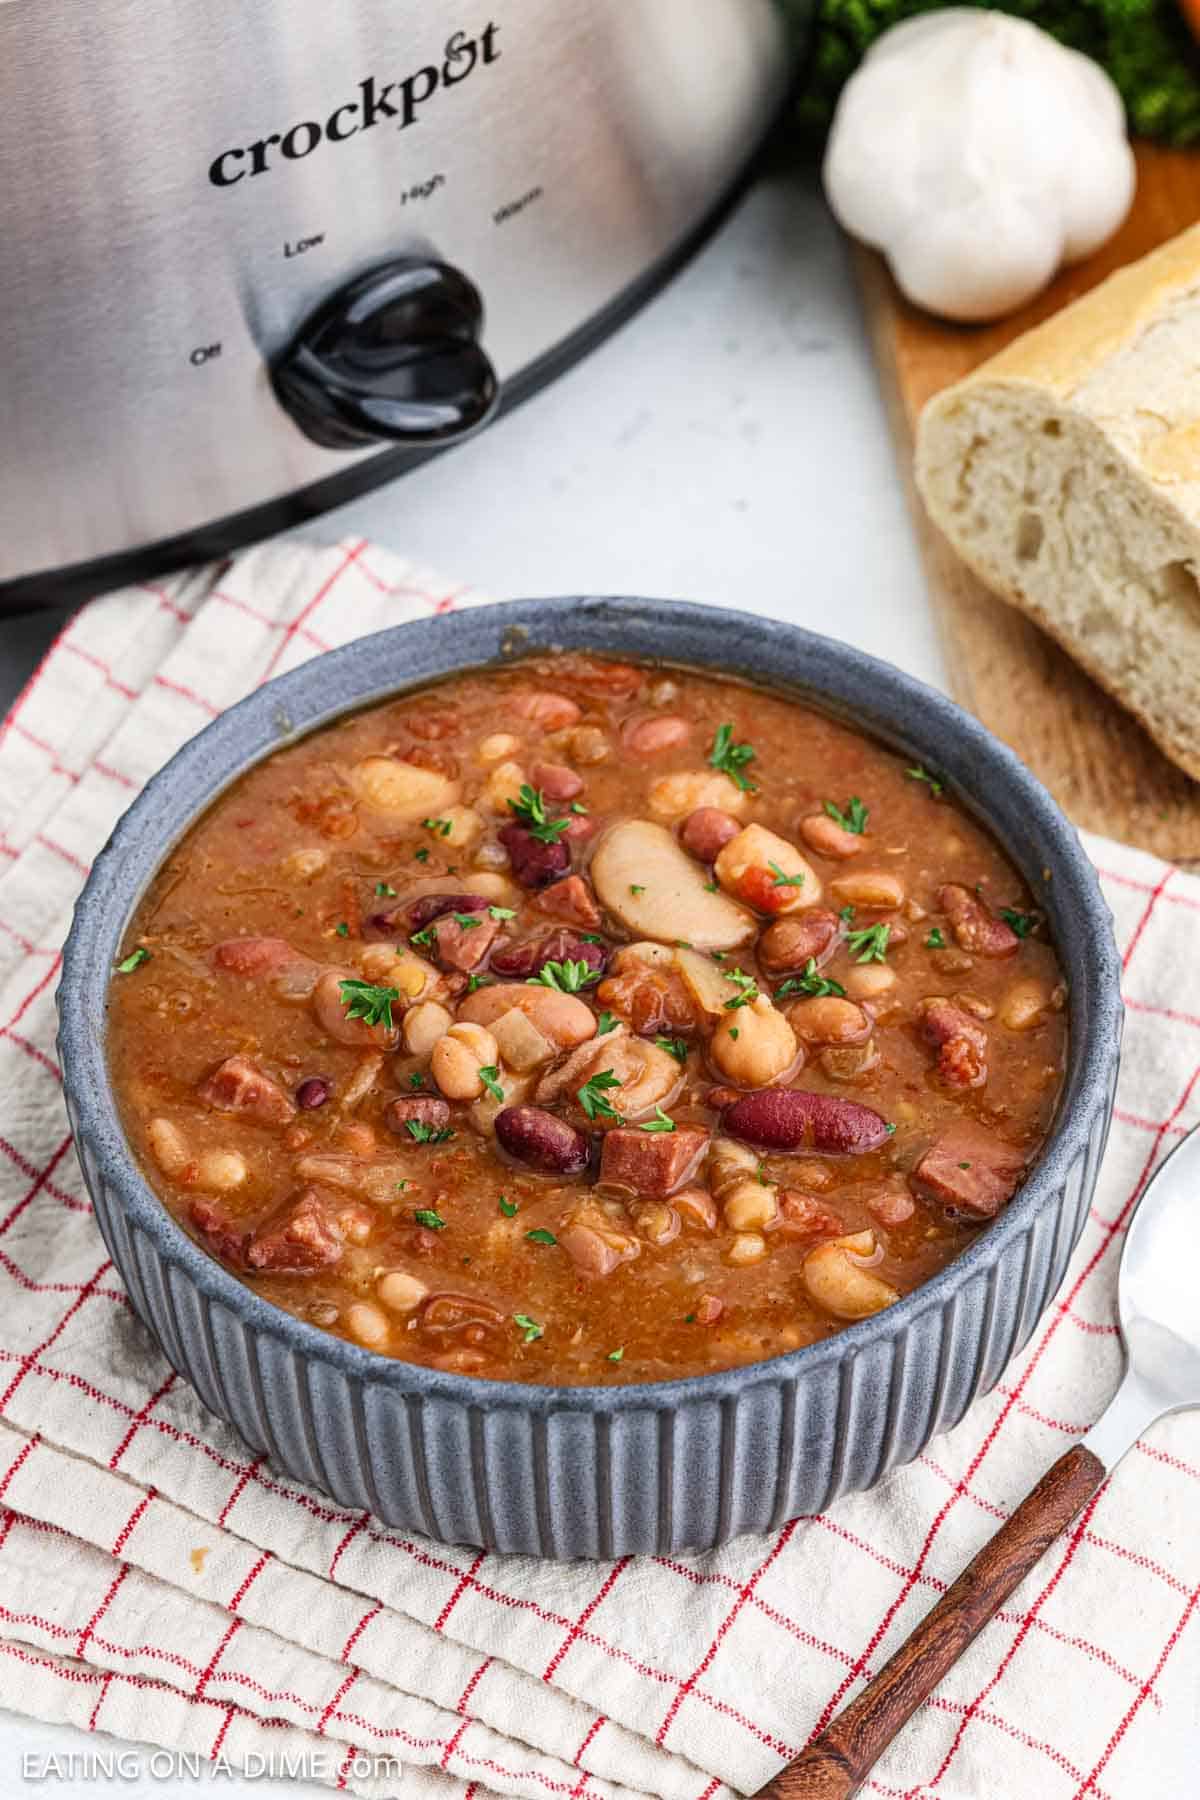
point(584, 1022)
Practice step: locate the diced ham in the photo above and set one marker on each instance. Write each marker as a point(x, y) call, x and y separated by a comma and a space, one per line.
point(239, 1086)
point(969, 1169)
point(271, 960)
point(463, 947)
point(891, 1206)
point(653, 1000)
point(570, 899)
point(961, 1043)
point(974, 927)
point(595, 1239)
point(222, 1234)
point(651, 1164)
point(307, 1232)
point(800, 1216)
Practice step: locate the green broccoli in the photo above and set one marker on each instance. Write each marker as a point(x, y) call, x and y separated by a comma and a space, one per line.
point(1145, 45)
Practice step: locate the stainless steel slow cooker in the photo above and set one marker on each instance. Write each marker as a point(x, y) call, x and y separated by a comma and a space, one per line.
point(257, 257)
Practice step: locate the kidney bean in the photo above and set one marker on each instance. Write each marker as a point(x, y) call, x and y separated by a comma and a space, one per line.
point(422, 912)
point(541, 1141)
point(553, 712)
point(789, 945)
point(705, 832)
point(650, 737)
point(514, 961)
point(556, 781)
point(794, 1119)
point(534, 863)
point(313, 1093)
point(421, 1109)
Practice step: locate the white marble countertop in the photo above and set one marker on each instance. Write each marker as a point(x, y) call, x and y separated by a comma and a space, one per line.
point(728, 444)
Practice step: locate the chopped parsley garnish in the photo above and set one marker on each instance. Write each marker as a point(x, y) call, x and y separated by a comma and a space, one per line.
point(422, 937)
point(964, 1165)
point(846, 914)
point(400, 1186)
point(508, 1207)
point(529, 1326)
point(782, 880)
point(605, 1023)
point(660, 1122)
point(1022, 923)
point(747, 989)
point(501, 912)
point(871, 942)
point(712, 887)
point(439, 828)
point(416, 1079)
point(936, 784)
point(133, 961)
point(591, 1095)
point(425, 1134)
point(635, 889)
point(363, 1000)
point(385, 890)
point(468, 921)
point(616, 1355)
point(590, 937)
point(890, 1129)
point(421, 855)
point(763, 1178)
point(477, 981)
point(733, 1031)
point(689, 1318)
point(810, 983)
point(935, 940)
point(541, 1236)
point(579, 809)
point(567, 977)
point(342, 929)
point(530, 809)
point(432, 1221)
point(676, 1047)
point(490, 1078)
point(853, 819)
point(731, 758)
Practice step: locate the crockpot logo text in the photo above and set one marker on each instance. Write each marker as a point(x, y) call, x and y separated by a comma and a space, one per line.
point(398, 100)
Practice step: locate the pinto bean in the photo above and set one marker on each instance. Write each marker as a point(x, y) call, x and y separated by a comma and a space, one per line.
point(705, 832)
point(975, 928)
point(826, 1019)
point(869, 887)
point(550, 712)
point(794, 1119)
point(332, 1014)
point(534, 863)
point(790, 944)
point(556, 781)
point(418, 1109)
point(651, 737)
point(563, 1018)
point(828, 838)
point(541, 1141)
point(762, 869)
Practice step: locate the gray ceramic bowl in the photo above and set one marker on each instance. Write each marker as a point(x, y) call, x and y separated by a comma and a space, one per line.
point(600, 1471)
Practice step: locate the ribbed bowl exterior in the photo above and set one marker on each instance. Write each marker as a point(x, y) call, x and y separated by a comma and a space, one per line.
point(599, 1472)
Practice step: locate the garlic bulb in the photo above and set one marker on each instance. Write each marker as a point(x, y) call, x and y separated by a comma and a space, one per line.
point(979, 155)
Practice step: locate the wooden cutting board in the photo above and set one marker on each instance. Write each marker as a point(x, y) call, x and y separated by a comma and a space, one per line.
point(1095, 759)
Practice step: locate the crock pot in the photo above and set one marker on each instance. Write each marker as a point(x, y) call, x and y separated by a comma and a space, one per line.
point(256, 258)
point(601, 1471)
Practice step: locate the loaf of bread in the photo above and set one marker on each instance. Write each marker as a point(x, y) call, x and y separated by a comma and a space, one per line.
point(1066, 473)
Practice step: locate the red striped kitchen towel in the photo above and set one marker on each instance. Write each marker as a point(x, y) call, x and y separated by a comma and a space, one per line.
point(159, 1583)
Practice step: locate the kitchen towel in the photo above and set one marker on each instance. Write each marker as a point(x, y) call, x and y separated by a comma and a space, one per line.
point(160, 1583)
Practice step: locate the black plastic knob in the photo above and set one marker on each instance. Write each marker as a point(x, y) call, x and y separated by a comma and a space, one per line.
point(393, 357)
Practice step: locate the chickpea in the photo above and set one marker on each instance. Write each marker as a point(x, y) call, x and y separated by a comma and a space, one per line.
point(499, 746)
point(400, 1291)
point(754, 1045)
point(366, 1323)
point(829, 1020)
point(828, 838)
point(1024, 1005)
point(168, 1146)
point(869, 981)
point(750, 1206)
point(504, 784)
point(838, 1279)
point(458, 1057)
point(869, 887)
point(747, 1247)
point(424, 1025)
point(222, 1170)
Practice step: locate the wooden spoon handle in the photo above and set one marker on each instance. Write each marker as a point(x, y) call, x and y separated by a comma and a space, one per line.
point(832, 1767)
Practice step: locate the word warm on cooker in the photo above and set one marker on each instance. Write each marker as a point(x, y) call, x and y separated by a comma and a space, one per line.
point(397, 100)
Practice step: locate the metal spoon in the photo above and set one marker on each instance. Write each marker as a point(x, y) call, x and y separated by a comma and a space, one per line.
point(1160, 1329)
